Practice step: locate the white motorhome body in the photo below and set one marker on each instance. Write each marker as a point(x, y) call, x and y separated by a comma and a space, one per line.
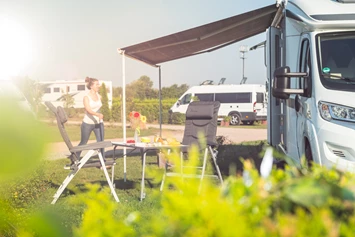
point(55, 90)
point(310, 58)
point(244, 103)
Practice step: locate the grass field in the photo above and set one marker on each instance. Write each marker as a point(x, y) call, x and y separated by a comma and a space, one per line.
point(35, 191)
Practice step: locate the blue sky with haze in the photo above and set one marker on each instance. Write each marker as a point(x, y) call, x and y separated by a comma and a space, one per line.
point(74, 39)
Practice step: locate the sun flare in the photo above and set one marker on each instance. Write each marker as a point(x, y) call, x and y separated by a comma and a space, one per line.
point(16, 48)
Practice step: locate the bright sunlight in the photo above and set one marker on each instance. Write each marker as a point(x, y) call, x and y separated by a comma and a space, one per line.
point(16, 48)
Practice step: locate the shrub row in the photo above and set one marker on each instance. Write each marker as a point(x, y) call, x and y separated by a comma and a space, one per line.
point(148, 108)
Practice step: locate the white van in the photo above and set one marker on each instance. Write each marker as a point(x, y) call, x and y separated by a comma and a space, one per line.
point(9, 90)
point(244, 103)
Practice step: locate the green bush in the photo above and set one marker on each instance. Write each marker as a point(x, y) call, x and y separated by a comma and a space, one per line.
point(148, 108)
point(105, 110)
point(116, 110)
point(178, 118)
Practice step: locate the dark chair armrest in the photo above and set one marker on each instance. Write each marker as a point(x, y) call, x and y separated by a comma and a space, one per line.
point(91, 146)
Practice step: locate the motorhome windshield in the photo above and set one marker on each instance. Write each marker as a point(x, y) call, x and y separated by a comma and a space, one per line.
point(336, 60)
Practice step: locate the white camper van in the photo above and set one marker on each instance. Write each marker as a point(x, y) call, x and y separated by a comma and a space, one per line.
point(54, 91)
point(244, 103)
point(310, 56)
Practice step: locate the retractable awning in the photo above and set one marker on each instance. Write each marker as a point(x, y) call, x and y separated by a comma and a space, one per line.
point(202, 39)
point(205, 38)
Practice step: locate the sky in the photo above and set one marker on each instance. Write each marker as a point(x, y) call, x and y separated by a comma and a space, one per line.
point(69, 40)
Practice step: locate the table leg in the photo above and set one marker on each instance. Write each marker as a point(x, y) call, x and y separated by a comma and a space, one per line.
point(143, 171)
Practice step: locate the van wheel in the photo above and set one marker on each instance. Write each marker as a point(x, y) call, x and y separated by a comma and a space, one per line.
point(308, 154)
point(235, 119)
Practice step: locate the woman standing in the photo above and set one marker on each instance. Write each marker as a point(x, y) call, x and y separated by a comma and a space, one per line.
point(93, 119)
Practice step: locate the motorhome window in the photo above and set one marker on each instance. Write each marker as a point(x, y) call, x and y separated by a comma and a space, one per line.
point(205, 97)
point(259, 97)
point(81, 87)
point(56, 89)
point(186, 99)
point(47, 90)
point(336, 60)
point(233, 97)
point(305, 66)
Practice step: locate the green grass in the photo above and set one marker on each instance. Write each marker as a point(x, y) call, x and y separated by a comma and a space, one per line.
point(111, 132)
point(254, 126)
point(35, 192)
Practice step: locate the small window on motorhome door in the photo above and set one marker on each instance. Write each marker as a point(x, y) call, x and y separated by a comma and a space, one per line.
point(305, 66)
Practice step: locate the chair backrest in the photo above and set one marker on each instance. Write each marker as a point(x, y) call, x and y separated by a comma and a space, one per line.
point(61, 118)
point(201, 119)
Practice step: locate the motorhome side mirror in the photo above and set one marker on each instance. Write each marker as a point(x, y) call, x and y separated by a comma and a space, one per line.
point(178, 103)
point(281, 86)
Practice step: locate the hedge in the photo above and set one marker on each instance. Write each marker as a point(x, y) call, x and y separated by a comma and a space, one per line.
point(148, 108)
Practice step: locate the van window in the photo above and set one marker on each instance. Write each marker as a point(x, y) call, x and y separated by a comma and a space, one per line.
point(205, 97)
point(186, 99)
point(259, 97)
point(233, 97)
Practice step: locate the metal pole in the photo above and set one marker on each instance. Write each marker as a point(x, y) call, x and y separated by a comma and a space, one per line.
point(160, 104)
point(243, 50)
point(243, 69)
point(124, 114)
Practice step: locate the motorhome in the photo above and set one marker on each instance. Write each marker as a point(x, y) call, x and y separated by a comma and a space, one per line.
point(245, 103)
point(310, 57)
point(54, 91)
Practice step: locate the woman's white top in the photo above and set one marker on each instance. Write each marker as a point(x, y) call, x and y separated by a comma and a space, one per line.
point(95, 106)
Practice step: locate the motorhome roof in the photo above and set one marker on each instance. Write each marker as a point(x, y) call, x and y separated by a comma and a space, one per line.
point(323, 13)
point(226, 87)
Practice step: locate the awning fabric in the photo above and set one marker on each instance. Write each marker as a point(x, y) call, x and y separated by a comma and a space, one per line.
point(205, 38)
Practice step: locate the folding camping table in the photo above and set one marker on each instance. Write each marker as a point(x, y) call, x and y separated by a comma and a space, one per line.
point(144, 148)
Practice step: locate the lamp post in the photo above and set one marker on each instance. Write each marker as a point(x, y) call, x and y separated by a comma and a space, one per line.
point(243, 50)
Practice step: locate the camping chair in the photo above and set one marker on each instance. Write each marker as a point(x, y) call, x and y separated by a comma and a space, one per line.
point(76, 162)
point(201, 118)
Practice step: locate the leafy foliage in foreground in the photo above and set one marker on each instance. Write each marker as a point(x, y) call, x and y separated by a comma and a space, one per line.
point(291, 202)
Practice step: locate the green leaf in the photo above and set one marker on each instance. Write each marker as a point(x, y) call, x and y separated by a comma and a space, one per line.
point(308, 192)
point(22, 140)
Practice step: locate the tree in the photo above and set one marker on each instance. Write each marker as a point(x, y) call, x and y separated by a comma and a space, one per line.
point(105, 110)
point(117, 92)
point(68, 101)
point(174, 91)
point(141, 89)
